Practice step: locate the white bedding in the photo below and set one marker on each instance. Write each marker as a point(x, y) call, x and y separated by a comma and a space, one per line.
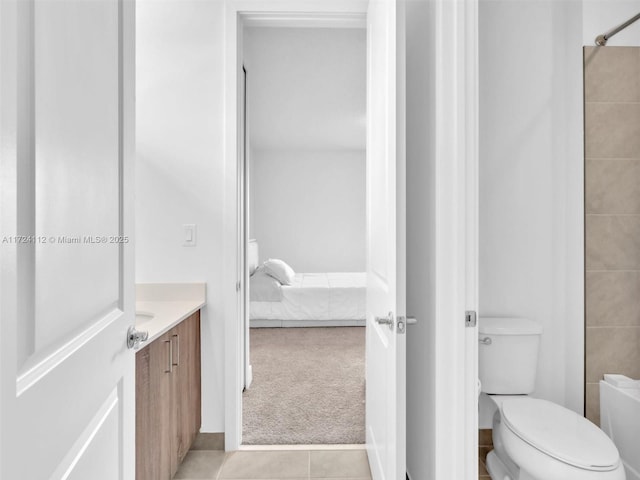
point(315, 299)
point(264, 288)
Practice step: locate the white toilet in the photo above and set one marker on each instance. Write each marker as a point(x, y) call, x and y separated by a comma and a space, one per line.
point(535, 439)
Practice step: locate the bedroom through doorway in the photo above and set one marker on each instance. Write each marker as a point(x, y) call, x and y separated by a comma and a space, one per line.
point(303, 187)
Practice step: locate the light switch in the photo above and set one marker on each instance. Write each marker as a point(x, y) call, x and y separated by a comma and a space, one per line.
point(189, 235)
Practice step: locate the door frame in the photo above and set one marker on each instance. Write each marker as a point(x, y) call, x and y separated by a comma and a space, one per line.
point(239, 13)
point(456, 234)
point(243, 224)
point(456, 213)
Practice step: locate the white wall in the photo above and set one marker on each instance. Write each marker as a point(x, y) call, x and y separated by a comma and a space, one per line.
point(531, 174)
point(308, 208)
point(306, 87)
point(306, 90)
point(600, 16)
point(179, 171)
point(421, 243)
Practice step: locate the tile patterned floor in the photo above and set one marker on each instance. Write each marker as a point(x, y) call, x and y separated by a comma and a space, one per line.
point(204, 464)
point(275, 465)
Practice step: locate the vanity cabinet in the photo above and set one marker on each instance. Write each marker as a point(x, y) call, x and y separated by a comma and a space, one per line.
point(168, 396)
point(185, 386)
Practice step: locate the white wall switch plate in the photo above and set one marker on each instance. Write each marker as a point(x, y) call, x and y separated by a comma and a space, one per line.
point(190, 237)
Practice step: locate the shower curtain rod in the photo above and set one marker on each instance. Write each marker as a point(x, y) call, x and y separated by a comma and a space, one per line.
point(601, 40)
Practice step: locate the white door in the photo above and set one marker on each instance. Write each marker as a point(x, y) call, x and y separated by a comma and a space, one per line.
point(67, 408)
point(386, 343)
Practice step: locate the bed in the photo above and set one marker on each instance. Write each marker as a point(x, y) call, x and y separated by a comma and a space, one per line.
point(312, 299)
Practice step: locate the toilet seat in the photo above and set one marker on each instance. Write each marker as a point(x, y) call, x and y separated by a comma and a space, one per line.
point(560, 433)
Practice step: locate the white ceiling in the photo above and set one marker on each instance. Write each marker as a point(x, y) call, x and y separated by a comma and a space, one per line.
point(306, 88)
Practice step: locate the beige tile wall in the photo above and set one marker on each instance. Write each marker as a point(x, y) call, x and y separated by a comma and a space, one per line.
point(612, 223)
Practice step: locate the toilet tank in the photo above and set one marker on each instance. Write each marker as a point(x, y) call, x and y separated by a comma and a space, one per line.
point(508, 355)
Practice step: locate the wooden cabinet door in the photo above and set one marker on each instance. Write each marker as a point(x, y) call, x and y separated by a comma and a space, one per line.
point(167, 400)
point(153, 411)
point(180, 392)
point(186, 384)
point(196, 389)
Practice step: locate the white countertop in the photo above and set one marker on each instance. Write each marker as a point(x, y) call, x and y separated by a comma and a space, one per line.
point(169, 304)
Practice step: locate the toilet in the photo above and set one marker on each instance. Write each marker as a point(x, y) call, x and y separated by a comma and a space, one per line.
point(535, 439)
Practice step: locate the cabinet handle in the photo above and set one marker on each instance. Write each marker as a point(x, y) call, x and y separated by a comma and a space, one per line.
point(170, 356)
point(177, 337)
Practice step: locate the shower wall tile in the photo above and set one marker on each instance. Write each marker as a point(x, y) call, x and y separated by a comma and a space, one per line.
point(612, 186)
point(612, 222)
point(612, 130)
point(593, 402)
point(613, 299)
point(612, 75)
point(612, 242)
point(612, 350)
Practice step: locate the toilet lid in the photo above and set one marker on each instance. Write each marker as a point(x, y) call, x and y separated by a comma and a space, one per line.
point(560, 433)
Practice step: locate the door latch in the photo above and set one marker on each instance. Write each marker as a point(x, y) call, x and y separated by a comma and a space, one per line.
point(403, 322)
point(470, 319)
point(388, 320)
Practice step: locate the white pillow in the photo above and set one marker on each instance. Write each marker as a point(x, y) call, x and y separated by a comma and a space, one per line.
point(279, 270)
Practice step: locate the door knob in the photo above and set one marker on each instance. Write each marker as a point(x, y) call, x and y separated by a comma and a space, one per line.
point(135, 337)
point(388, 320)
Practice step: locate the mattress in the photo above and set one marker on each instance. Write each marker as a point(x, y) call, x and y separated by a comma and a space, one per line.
point(316, 298)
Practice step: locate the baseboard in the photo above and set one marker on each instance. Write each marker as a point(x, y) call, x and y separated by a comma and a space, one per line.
point(259, 323)
point(249, 377)
point(337, 446)
point(209, 441)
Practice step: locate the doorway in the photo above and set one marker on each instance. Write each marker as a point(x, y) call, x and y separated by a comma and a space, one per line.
point(303, 159)
point(386, 310)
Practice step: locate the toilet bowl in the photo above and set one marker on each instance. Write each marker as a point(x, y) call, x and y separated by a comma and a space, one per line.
point(535, 439)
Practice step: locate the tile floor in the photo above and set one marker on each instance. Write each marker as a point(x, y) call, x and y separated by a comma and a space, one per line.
point(202, 463)
point(275, 465)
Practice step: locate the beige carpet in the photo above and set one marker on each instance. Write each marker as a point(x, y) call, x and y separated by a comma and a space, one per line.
point(308, 386)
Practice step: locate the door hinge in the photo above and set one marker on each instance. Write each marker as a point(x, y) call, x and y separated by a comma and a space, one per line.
point(470, 319)
point(237, 286)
